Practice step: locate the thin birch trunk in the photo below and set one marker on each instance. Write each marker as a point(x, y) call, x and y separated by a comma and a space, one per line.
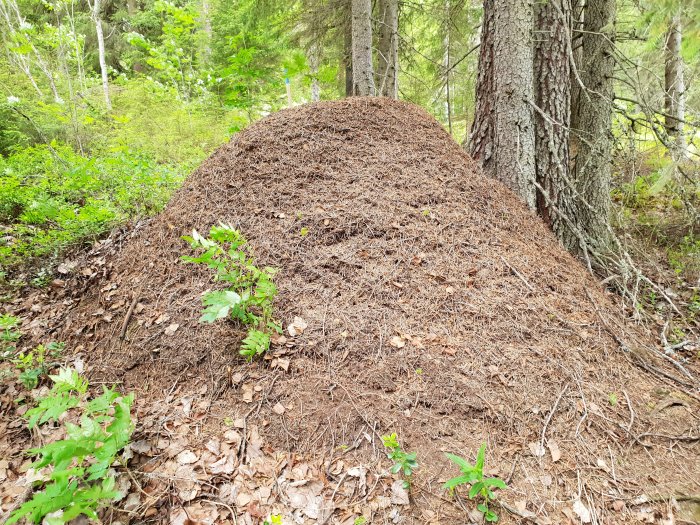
point(101, 51)
point(675, 89)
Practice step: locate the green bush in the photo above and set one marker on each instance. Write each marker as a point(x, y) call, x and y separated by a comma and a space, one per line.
point(250, 293)
point(52, 198)
point(79, 475)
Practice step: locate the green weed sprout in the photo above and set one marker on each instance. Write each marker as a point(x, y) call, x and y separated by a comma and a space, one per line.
point(404, 462)
point(251, 290)
point(8, 334)
point(480, 487)
point(37, 363)
point(80, 478)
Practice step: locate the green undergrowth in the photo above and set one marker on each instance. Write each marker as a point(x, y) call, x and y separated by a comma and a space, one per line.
point(52, 198)
point(75, 475)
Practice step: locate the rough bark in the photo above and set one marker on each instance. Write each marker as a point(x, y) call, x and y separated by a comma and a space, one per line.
point(591, 137)
point(388, 58)
point(675, 89)
point(362, 68)
point(514, 136)
point(101, 51)
point(553, 117)
point(347, 54)
point(480, 142)
point(314, 61)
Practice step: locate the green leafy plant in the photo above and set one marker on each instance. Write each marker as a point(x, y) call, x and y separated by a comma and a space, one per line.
point(481, 487)
point(404, 462)
point(80, 479)
point(37, 363)
point(9, 334)
point(251, 290)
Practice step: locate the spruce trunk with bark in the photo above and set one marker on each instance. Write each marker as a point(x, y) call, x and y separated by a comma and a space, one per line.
point(388, 58)
point(347, 55)
point(480, 142)
point(675, 89)
point(362, 68)
point(591, 118)
point(553, 118)
point(514, 133)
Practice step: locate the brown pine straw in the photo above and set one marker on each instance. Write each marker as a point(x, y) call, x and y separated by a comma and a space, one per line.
point(504, 332)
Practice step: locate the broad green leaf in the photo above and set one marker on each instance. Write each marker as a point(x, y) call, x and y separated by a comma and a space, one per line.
point(480, 457)
point(475, 489)
point(495, 482)
point(453, 483)
point(461, 462)
point(218, 305)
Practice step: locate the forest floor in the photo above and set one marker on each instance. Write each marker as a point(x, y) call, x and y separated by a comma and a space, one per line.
point(417, 298)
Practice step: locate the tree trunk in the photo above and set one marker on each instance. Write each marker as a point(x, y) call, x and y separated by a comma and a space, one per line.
point(514, 136)
point(314, 60)
point(10, 9)
point(553, 117)
point(347, 55)
point(675, 89)
point(101, 50)
point(480, 142)
point(446, 65)
point(362, 69)
point(389, 47)
point(131, 7)
point(208, 35)
point(591, 138)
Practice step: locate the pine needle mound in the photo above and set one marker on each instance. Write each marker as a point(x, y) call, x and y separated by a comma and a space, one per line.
point(437, 306)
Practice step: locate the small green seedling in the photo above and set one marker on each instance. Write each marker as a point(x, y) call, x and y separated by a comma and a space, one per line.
point(480, 487)
point(8, 335)
point(80, 478)
point(37, 363)
point(404, 462)
point(250, 293)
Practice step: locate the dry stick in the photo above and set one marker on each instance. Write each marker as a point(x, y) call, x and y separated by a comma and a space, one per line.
point(629, 406)
point(352, 402)
point(549, 417)
point(527, 515)
point(214, 502)
point(519, 275)
point(689, 439)
point(129, 313)
point(639, 361)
